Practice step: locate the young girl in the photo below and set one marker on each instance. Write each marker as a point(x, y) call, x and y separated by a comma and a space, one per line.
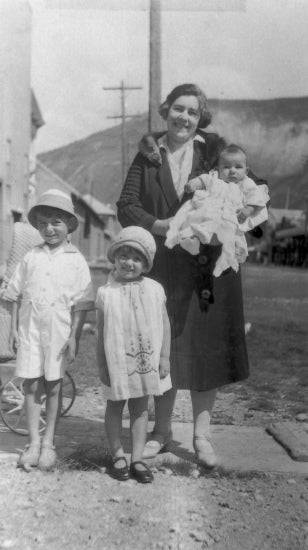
point(133, 346)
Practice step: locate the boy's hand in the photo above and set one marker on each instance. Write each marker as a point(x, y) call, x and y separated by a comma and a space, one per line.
point(70, 350)
point(164, 367)
point(244, 213)
point(14, 341)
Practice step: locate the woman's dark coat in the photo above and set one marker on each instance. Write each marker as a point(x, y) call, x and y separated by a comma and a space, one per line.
point(208, 341)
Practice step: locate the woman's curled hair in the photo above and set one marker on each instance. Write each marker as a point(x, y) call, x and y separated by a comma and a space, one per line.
point(188, 89)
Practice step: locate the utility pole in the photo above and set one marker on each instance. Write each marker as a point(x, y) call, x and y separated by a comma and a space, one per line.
point(287, 198)
point(123, 116)
point(154, 121)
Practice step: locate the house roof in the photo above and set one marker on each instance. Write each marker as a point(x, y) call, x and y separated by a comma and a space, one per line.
point(62, 185)
point(100, 208)
point(36, 115)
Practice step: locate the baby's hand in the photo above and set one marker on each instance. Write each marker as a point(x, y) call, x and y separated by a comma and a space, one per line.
point(194, 185)
point(244, 213)
point(164, 367)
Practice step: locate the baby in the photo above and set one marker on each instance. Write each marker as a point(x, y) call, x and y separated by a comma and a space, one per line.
point(225, 205)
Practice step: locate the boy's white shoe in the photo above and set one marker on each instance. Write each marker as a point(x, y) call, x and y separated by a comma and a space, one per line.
point(48, 458)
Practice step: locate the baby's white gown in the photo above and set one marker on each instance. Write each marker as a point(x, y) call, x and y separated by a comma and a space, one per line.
point(211, 215)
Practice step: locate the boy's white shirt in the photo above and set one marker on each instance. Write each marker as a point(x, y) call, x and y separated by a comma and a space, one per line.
point(61, 278)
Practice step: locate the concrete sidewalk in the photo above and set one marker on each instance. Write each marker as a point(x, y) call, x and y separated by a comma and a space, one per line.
point(240, 448)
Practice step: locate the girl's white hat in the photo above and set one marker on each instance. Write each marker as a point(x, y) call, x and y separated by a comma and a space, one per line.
point(138, 238)
point(55, 199)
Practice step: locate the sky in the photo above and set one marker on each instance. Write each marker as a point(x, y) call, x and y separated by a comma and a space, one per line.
point(79, 47)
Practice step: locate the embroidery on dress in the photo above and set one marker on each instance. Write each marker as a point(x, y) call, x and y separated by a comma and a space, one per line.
point(141, 352)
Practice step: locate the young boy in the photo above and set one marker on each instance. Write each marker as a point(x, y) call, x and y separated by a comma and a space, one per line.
point(223, 208)
point(54, 284)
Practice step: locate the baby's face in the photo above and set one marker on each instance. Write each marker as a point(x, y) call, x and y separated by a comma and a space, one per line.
point(232, 167)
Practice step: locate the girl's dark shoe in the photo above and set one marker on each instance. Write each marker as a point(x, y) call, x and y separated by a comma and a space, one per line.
point(142, 476)
point(122, 474)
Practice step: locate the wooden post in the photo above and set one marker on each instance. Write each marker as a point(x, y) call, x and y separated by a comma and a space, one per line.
point(123, 111)
point(154, 121)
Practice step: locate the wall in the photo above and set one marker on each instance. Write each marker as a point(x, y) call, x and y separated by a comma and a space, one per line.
point(15, 116)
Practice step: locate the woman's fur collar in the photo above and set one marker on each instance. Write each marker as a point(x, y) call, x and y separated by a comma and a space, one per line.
point(148, 147)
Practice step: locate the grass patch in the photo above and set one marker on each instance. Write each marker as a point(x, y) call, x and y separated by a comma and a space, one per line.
point(85, 458)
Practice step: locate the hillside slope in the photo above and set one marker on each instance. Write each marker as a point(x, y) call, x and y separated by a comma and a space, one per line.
point(273, 132)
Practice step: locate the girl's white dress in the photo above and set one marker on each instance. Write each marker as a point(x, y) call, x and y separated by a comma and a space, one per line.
point(133, 336)
point(211, 215)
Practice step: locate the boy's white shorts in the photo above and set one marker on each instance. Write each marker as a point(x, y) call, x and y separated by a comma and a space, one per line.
point(43, 331)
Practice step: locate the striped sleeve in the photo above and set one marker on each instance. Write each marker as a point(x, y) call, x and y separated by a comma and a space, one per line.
point(130, 209)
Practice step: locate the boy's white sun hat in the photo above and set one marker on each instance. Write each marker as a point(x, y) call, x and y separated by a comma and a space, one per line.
point(56, 199)
point(138, 238)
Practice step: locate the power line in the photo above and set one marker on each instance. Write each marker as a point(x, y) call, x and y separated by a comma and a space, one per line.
point(123, 116)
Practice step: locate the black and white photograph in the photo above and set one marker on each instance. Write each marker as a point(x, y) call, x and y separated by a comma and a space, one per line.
point(154, 275)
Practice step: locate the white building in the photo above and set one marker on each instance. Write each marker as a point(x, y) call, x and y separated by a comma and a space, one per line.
point(15, 116)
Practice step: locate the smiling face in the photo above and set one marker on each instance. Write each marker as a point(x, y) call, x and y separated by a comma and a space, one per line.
point(232, 167)
point(53, 225)
point(129, 263)
point(183, 118)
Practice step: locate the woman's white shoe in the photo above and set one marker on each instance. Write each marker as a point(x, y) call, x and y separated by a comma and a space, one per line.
point(154, 446)
point(204, 452)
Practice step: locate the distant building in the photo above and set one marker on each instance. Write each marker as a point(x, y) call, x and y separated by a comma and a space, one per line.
point(285, 218)
point(287, 242)
point(105, 213)
point(15, 117)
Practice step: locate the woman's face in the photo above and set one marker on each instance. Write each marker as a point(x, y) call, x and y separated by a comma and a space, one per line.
point(183, 118)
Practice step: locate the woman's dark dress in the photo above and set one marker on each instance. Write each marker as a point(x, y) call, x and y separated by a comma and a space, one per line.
point(208, 349)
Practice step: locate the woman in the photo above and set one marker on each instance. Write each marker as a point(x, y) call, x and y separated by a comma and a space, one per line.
point(208, 346)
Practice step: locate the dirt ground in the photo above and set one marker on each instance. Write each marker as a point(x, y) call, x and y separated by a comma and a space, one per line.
point(79, 506)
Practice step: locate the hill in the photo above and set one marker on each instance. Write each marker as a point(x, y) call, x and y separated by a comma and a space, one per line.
point(273, 132)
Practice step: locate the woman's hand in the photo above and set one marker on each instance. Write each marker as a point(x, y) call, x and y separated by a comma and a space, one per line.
point(160, 227)
point(193, 185)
